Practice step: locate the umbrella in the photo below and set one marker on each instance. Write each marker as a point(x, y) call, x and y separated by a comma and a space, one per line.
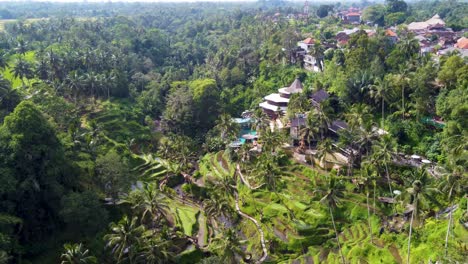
point(249, 136)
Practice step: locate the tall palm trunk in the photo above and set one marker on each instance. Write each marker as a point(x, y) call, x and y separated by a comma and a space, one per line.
point(448, 232)
point(383, 113)
point(409, 236)
point(389, 185)
point(336, 234)
point(368, 217)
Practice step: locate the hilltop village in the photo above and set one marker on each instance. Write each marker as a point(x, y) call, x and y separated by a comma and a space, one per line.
point(243, 132)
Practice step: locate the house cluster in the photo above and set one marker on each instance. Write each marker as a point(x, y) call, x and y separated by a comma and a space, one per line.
point(303, 53)
point(435, 37)
point(352, 15)
point(342, 37)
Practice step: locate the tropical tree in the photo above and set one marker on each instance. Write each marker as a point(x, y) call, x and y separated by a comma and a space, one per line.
point(368, 178)
point(380, 92)
point(266, 167)
point(420, 195)
point(382, 154)
point(3, 60)
point(125, 239)
point(155, 250)
point(261, 121)
point(452, 184)
point(22, 69)
point(227, 128)
point(76, 254)
point(150, 202)
point(272, 141)
point(325, 148)
point(310, 131)
point(331, 194)
point(227, 245)
point(157, 169)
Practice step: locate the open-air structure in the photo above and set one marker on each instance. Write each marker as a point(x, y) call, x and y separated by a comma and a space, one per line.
point(277, 103)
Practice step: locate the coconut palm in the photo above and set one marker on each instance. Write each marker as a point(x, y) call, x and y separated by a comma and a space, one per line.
point(324, 148)
point(155, 250)
point(368, 179)
point(3, 60)
point(22, 69)
point(4, 258)
point(358, 116)
point(125, 239)
point(320, 117)
point(150, 202)
point(227, 127)
point(227, 245)
point(76, 254)
point(157, 169)
point(266, 167)
point(261, 121)
point(380, 92)
point(382, 153)
point(451, 185)
point(310, 131)
point(272, 140)
point(420, 195)
point(331, 194)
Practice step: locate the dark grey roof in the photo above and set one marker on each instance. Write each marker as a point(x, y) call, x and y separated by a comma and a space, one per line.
point(319, 96)
point(298, 121)
point(295, 87)
point(338, 125)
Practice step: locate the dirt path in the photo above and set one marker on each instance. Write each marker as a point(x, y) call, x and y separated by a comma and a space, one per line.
point(244, 181)
point(259, 229)
point(202, 230)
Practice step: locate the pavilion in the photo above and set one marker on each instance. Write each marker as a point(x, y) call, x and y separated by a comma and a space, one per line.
point(277, 103)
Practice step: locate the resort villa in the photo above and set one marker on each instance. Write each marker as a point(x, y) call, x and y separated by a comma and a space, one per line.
point(277, 103)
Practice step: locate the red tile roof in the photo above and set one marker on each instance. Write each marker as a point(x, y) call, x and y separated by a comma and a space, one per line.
point(309, 41)
point(390, 33)
point(462, 43)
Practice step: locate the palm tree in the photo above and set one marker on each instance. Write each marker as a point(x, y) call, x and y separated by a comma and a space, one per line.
point(3, 60)
point(272, 140)
point(367, 179)
point(452, 184)
point(76, 254)
point(261, 121)
point(310, 131)
point(379, 91)
point(382, 152)
point(227, 127)
point(157, 169)
point(331, 194)
point(324, 148)
point(125, 239)
point(4, 258)
point(420, 194)
point(227, 245)
point(358, 116)
point(8, 96)
point(22, 70)
point(150, 202)
point(267, 168)
point(318, 52)
point(155, 250)
point(320, 118)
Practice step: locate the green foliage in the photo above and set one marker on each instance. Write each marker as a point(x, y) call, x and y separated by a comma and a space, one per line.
point(34, 170)
point(83, 213)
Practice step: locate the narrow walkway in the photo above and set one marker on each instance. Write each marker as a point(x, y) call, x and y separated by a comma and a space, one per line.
point(259, 228)
point(244, 181)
